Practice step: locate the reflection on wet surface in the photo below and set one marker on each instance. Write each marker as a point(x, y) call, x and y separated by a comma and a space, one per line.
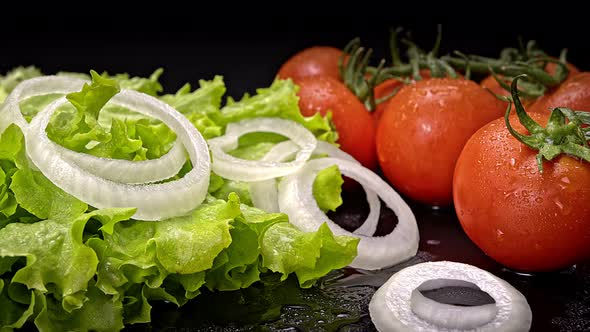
point(560, 301)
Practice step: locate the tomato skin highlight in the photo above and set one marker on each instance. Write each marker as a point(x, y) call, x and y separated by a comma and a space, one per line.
point(423, 130)
point(524, 219)
point(573, 93)
point(313, 61)
point(355, 126)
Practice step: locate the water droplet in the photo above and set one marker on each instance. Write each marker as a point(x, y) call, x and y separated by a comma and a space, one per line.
point(525, 193)
point(433, 242)
point(512, 161)
point(565, 179)
point(558, 203)
point(499, 235)
point(539, 200)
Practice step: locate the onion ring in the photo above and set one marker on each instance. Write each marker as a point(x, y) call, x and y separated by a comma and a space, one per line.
point(399, 306)
point(297, 201)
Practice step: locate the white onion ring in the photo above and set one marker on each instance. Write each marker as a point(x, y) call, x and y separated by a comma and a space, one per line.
point(399, 306)
point(238, 169)
point(153, 201)
point(264, 194)
point(297, 201)
point(118, 170)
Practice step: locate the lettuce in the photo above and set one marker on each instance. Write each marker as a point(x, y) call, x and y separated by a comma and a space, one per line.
point(65, 265)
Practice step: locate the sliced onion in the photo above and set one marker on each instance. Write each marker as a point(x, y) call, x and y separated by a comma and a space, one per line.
point(118, 170)
point(127, 171)
point(153, 201)
point(399, 305)
point(264, 194)
point(37, 86)
point(297, 201)
point(238, 169)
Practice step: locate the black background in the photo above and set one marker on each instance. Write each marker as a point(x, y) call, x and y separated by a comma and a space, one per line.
point(248, 55)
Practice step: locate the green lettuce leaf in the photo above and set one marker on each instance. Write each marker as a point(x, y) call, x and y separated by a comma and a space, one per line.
point(201, 106)
point(327, 188)
point(74, 129)
point(9, 81)
point(35, 193)
point(13, 314)
point(150, 85)
point(309, 255)
point(30, 189)
point(102, 313)
point(56, 258)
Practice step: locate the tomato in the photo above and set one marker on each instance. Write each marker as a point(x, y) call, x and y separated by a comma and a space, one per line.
point(551, 67)
point(573, 93)
point(386, 88)
point(356, 129)
point(491, 84)
point(423, 130)
point(383, 90)
point(313, 61)
point(524, 219)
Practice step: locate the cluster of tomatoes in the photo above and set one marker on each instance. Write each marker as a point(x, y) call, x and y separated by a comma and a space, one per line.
point(443, 141)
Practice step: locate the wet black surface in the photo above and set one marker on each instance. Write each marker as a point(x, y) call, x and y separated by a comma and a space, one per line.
point(560, 301)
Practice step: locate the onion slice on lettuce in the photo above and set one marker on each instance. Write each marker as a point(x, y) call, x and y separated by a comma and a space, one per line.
point(264, 194)
point(400, 306)
point(297, 201)
point(118, 170)
point(153, 201)
point(238, 169)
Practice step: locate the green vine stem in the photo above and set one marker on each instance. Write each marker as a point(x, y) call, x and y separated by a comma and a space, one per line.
point(557, 137)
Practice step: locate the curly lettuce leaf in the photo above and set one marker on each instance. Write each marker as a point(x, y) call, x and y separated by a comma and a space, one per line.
point(13, 314)
point(30, 189)
point(287, 250)
point(201, 106)
point(9, 81)
point(74, 129)
point(56, 258)
point(150, 85)
point(101, 312)
point(327, 188)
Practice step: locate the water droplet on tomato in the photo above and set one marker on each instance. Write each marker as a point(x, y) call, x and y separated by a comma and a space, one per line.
point(499, 235)
point(539, 200)
point(512, 161)
point(565, 179)
point(558, 203)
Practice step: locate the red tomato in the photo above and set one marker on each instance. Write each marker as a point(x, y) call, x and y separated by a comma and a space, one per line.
point(382, 90)
point(355, 125)
point(423, 130)
point(526, 220)
point(313, 61)
point(551, 67)
point(386, 88)
point(491, 84)
point(573, 93)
